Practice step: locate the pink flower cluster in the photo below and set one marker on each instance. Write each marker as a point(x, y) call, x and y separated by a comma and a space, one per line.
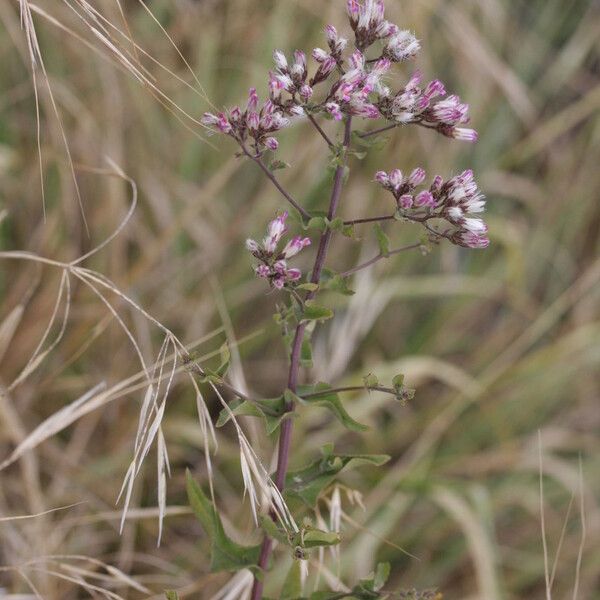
point(453, 201)
point(258, 124)
point(273, 262)
point(369, 25)
point(415, 104)
point(358, 88)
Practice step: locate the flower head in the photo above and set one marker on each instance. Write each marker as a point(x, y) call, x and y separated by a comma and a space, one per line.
point(453, 201)
point(401, 46)
point(273, 260)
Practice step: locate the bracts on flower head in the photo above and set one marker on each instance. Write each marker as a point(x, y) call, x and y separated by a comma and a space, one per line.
point(273, 261)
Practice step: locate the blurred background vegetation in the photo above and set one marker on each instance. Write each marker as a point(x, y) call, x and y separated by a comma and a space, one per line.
point(502, 345)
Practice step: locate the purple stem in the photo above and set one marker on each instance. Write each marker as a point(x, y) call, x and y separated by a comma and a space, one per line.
point(320, 130)
point(285, 435)
point(259, 161)
point(370, 220)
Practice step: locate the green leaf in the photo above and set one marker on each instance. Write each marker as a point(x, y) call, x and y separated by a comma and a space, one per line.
point(376, 142)
point(272, 410)
point(369, 587)
point(271, 529)
point(339, 284)
point(318, 223)
point(382, 240)
point(336, 224)
point(314, 312)
point(225, 359)
point(382, 573)
point(276, 165)
point(359, 154)
point(348, 231)
point(292, 586)
point(371, 380)
point(330, 401)
point(308, 483)
point(171, 595)
point(313, 538)
point(309, 287)
point(226, 555)
point(398, 381)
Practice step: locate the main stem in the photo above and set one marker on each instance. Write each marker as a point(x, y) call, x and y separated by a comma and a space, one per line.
point(285, 435)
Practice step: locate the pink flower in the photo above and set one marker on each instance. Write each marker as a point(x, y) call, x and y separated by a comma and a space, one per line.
point(401, 46)
point(364, 109)
point(474, 225)
point(220, 121)
point(252, 100)
point(417, 177)
point(252, 246)
point(386, 29)
point(278, 282)
point(271, 143)
point(280, 60)
point(450, 111)
point(294, 246)
point(235, 115)
point(472, 240)
point(396, 178)
point(464, 134)
point(275, 232)
point(353, 9)
point(405, 201)
point(425, 198)
point(306, 92)
point(382, 178)
point(253, 120)
point(436, 185)
point(293, 274)
point(334, 110)
point(263, 271)
point(320, 55)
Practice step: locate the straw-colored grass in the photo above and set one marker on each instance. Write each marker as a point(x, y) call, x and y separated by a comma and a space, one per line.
point(502, 345)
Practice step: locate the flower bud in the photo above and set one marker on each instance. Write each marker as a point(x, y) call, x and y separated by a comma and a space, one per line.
point(295, 245)
point(263, 271)
point(465, 134)
point(280, 60)
point(320, 55)
point(271, 143)
point(252, 246)
point(306, 92)
point(405, 201)
point(417, 177)
point(252, 100)
point(425, 198)
point(396, 178)
point(293, 274)
point(382, 178)
point(334, 110)
point(402, 46)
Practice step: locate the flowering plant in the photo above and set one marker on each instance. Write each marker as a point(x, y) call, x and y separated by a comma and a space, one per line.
point(346, 82)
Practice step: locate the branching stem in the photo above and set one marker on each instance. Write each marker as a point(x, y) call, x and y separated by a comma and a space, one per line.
point(320, 130)
point(259, 161)
point(285, 435)
point(351, 388)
